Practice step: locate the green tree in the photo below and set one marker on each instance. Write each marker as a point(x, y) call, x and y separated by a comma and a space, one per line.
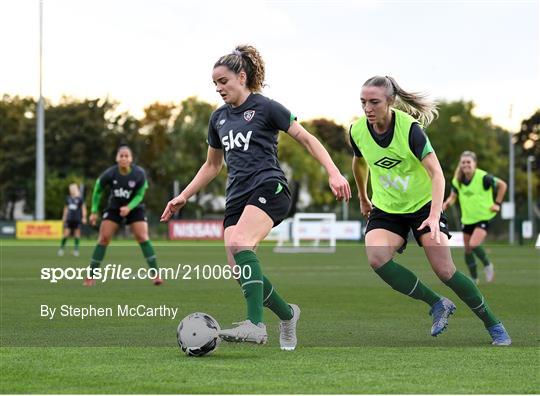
point(457, 129)
point(155, 129)
point(526, 144)
point(79, 137)
point(17, 151)
point(190, 149)
point(306, 171)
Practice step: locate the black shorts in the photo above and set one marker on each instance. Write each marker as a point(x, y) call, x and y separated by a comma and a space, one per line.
point(72, 225)
point(275, 202)
point(469, 228)
point(135, 215)
point(402, 223)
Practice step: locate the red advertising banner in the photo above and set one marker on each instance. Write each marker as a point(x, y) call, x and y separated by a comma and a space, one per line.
point(196, 229)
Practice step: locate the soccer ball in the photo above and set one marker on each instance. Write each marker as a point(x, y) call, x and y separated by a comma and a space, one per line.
point(197, 334)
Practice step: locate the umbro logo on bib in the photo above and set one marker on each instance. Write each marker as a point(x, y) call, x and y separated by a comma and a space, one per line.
point(387, 162)
point(248, 115)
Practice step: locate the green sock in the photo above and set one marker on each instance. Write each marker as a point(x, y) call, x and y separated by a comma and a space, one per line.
point(76, 243)
point(481, 254)
point(471, 263)
point(273, 301)
point(252, 286)
point(149, 254)
point(63, 243)
point(465, 288)
point(406, 282)
point(97, 257)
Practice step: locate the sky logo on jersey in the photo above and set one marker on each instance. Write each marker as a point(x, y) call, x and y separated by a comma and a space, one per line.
point(398, 182)
point(248, 115)
point(387, 162)
point(239, 140)
point(121, 193)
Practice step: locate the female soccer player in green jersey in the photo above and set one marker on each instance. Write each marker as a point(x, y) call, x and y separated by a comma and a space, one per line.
point(474, 188)
point(408, 187)
point(128, 184)
point(244, 132)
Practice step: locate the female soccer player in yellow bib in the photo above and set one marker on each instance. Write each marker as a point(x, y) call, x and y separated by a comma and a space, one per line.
point(408, 187)
point(474, 188)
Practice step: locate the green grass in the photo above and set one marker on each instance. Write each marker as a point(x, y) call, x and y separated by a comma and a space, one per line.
point(356, 335)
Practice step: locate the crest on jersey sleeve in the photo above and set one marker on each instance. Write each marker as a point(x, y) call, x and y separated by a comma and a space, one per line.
point(248, 115)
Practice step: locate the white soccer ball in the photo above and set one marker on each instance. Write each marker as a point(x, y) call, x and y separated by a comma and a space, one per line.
point(197, 334)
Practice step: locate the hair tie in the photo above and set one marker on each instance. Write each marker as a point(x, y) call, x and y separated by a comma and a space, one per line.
point(238, 53)
point(392, 84)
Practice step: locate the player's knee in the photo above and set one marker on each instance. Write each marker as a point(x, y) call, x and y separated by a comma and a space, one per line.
point(238, 242)
point(140, 238)
point(104, 240)
point(473, 245)
point(379, 255)
point(444, 274)
point(377, 260)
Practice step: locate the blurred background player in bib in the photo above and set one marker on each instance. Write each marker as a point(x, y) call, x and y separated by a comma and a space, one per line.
point(474, 188)
point(244, 133)
point(73, 216)
point(408, 188)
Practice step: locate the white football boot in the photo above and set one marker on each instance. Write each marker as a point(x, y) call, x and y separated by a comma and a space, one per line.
point(489, 271)
point(287, 330)
point(246, 331)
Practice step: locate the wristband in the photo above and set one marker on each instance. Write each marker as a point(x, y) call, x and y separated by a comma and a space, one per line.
point(498, 203)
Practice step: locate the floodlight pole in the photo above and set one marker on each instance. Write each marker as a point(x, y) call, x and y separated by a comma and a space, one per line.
point(511, 182)
point(40, 133)
point(530, 160)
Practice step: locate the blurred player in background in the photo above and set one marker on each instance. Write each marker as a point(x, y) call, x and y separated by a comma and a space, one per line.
point(73, 216)
point(408, 188)
point(128, 185)
point(475, 188)
point(244, 132)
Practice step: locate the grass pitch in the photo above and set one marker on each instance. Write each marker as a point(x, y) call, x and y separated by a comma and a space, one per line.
point(356, 335)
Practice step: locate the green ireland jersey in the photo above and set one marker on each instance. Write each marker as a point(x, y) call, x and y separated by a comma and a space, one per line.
point(399, 181)
point(474, 199)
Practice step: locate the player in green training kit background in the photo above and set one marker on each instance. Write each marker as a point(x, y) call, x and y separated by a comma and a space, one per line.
point(128, 185)
point(244, 132)
point(475, 188)
point(73, 216)
point(408, 188)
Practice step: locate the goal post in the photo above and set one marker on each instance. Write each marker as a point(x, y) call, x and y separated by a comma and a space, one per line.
point(307, 233)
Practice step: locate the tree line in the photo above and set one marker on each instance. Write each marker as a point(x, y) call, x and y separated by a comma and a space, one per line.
point(169, 141)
